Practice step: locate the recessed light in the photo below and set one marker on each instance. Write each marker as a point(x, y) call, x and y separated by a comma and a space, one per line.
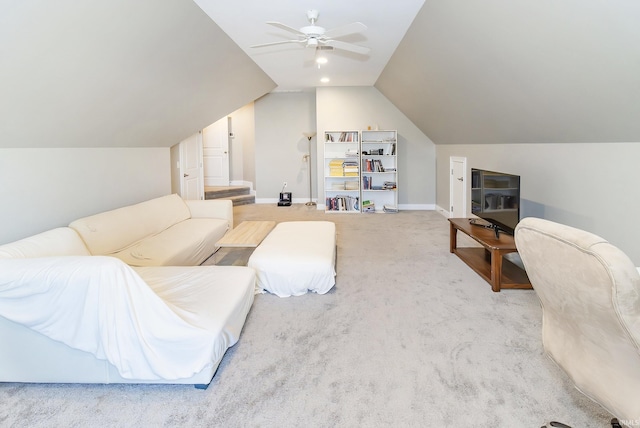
point(325, 80)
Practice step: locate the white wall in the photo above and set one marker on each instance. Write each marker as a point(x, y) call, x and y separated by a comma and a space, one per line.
point(590, 186)
point(46, 188)
point(359, 107)
point(280, 120)
point(520, 71)
point(242, 167)
point(117, 73)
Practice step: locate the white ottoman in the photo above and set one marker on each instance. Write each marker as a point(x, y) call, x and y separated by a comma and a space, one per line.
point(296, 257)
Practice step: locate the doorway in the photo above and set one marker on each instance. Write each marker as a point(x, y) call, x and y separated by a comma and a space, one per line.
point(215, 140)
point(457, 187)
point(191, 183)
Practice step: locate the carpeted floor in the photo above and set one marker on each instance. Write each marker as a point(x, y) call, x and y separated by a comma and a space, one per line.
point(409, 337)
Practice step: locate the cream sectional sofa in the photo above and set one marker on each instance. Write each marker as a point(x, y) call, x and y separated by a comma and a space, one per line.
point(166, 231)
point(72, 309)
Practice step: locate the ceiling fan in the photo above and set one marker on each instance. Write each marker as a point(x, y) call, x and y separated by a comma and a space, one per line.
point(313, 36)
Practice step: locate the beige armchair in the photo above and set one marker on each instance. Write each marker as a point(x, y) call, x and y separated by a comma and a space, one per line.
point(590, 296)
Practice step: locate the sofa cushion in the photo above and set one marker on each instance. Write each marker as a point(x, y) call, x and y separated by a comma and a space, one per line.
point(187, 243)
point(112, 231)
point(62, 241)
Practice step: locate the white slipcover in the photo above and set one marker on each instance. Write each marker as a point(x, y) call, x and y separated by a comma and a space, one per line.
point(296, 257)
point(176, 325)
point(165, 231)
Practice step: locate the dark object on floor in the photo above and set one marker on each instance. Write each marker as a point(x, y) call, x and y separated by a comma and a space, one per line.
point(285, 199)
point(555, 424)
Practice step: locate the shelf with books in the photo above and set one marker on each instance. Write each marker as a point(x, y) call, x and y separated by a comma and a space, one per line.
point(378, 164)
point(342, 171)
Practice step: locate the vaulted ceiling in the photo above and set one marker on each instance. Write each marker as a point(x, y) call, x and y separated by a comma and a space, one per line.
point(143, 73)
point(292, 65)
point(520, 71)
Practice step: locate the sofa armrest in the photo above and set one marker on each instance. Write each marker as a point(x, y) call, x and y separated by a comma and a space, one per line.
point(211, 208)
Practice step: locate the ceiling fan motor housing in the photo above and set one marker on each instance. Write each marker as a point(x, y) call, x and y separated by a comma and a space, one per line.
point(313, 31)
point(312, 15)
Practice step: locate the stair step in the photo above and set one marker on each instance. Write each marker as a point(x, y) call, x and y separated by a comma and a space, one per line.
point(243, 199)
point(239, 195)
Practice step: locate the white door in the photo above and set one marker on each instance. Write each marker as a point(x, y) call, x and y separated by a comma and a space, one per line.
point(457, 187)
point(215, 140)
point(191, 183)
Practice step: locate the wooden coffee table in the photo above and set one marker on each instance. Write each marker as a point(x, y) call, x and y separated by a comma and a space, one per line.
point(247, 234)
point(238, 244)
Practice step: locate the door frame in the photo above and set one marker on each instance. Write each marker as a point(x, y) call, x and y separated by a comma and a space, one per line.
point(452, 196)
point(216, 157)
point(183, 166)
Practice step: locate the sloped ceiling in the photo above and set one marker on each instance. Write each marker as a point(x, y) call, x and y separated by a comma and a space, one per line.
point(116, 73)
point(520, 71)
point(292, 66)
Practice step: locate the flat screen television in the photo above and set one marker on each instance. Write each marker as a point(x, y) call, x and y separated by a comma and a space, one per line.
point(495, 198)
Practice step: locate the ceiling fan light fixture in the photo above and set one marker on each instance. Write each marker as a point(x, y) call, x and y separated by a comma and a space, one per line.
point(322, 60)
point(317, 37)
point(325, 80)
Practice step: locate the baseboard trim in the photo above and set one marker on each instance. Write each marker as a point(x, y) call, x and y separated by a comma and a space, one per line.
point(442, 211)
point(401, 207)
point(275, 200)
point(416, 207)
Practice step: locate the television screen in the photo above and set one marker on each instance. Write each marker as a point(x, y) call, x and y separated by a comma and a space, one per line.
point(495, 197)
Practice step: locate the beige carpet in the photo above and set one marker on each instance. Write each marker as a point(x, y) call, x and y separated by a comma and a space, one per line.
point(409, 337)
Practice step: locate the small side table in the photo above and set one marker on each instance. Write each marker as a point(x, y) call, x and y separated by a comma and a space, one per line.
point(488, 261)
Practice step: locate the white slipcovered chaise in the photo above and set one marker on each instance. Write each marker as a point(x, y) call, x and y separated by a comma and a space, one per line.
point(69, 316)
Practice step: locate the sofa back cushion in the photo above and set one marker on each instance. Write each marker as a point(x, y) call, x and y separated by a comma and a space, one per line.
point(62, 241)
point(112, 231)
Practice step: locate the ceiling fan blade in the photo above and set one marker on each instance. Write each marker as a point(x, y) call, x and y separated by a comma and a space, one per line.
point(345, 30)
point(276, 43)
point(348, 47)
point(287, 28)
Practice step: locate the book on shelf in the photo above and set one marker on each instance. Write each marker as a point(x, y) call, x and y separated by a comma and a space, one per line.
point(368, 207)
point(372, 165)
point(366, 182)
point(342, 203)
point(336, 168)
point(351, 185)
point(350, 168)
point(348, 137)
point(390, 208)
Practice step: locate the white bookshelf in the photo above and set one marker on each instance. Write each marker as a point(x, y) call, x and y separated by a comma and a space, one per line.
point(379, 163)
point(342, 171)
